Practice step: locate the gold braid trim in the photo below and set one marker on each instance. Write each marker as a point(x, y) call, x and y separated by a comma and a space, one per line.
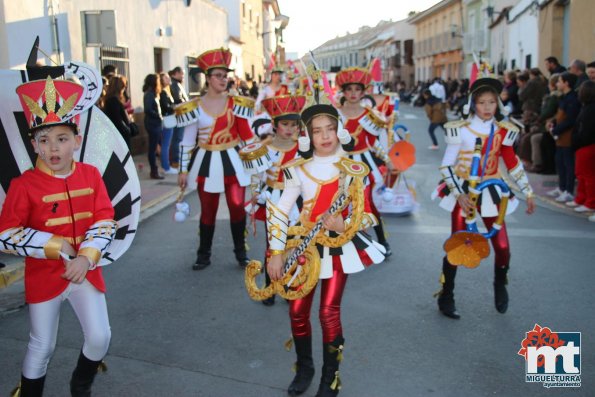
point(310, 273)
point(356, 193)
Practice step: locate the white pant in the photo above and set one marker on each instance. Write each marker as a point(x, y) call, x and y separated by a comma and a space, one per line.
point(91, 309)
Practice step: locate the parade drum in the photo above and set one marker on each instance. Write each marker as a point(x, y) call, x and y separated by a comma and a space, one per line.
point(186, 113)
point(255, 158)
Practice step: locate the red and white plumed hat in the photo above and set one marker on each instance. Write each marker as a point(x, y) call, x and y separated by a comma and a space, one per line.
point(482, 76)
point(51, 102)
point(353, 76)
point(284, 107)
point(214, 59)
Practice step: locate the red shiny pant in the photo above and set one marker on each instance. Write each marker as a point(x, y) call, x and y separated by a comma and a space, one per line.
point(330, 307)
point(499, 241)
point(209, 202)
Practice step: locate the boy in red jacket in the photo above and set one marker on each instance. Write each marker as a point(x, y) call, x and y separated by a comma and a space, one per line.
point(59, 216)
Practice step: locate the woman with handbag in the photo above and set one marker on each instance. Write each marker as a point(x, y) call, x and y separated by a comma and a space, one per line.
point(113, 107)
point(166, 101)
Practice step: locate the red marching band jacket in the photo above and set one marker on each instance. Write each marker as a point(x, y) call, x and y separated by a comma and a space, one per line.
point(41, 210)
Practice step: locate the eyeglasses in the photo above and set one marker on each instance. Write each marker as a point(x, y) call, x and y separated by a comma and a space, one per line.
point(219, 76)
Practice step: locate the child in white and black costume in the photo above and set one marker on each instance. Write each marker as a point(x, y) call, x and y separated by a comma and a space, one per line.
point(497, 139)
point(319, 179)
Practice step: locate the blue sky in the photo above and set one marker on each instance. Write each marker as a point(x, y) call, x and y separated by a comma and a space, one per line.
point(312, 22)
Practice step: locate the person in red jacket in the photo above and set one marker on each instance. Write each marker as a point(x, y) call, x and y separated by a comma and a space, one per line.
point(59, 216)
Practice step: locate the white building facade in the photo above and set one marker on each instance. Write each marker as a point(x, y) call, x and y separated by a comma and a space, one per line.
point(523, 37)
point(138, 36)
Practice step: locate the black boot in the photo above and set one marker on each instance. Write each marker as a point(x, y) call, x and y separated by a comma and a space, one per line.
point(203, 255)
point(446, 300)
point(332, 354)
point(29, 387)
point(83, 376)
point(304, 366)
point(379, 229)
point(500, 293)
point(238, 231)
point(155, 173)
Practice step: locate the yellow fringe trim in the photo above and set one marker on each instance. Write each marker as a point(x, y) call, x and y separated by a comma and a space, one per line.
point(338, 350)
point(288, 344)
point(336, 385)
point(16, 392)
point(442, 281)
point(102, 367)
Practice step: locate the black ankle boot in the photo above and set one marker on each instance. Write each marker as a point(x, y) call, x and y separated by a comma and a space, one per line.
point(238, 231)
point(155, 173)
point(304, 366)
point(500, 293)
point(29, 387)
point(203, 255)
point(379, 229)
point(83, 376)
point(446, 300)
point(332, 354)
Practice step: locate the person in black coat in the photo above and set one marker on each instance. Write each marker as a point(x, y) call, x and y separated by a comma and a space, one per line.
point(179, 95)
point(113, 106)
point(153, 119)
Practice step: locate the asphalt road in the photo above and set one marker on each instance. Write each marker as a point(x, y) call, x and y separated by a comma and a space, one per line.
point(177, 332)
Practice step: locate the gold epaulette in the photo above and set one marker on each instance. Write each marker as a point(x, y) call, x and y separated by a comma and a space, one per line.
point(352, 167)
point(375, 117)
point(295, 162)
point(456, 124)
point(507, 125)
point(243, 101)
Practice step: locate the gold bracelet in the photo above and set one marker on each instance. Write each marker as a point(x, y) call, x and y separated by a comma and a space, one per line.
point(276, 252)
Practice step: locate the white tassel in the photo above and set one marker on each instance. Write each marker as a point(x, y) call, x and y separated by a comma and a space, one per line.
point(304, 144)
point(505, 110)
point(344, 136)
point(467, 107)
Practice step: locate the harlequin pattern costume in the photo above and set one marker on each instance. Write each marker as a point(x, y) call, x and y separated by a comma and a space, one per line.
point(366, 130)
point(40, 212)
point(497, 139)
point(319, 180)
point(209, 150)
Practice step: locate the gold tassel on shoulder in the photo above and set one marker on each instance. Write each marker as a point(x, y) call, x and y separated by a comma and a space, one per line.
point(336, 385)
point(288, 344)
point(16, 392)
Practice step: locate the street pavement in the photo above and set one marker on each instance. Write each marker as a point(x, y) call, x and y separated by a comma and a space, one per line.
point(178, 332)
